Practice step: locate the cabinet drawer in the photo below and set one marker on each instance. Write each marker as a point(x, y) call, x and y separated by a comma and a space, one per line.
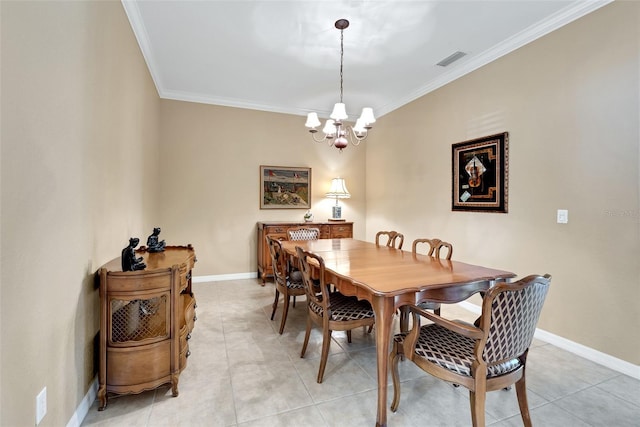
point(189, 311)
point(341, 231)
point(279, 229)
point(325, 232)
point(132, 282)
point(184, 354)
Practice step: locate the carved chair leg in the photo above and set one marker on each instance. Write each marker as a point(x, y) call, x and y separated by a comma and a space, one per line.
point(306, 336)
point(326, 343)
point(285, 311)
point(275, 304)
point(477, 401)
point(521, 392)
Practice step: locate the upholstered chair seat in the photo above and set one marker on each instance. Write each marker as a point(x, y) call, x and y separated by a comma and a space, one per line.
point(453, 351)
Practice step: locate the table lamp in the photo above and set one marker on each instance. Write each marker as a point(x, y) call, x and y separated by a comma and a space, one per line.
point(338, 191)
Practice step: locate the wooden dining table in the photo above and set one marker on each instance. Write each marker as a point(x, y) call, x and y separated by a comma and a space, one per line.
point(390, 278)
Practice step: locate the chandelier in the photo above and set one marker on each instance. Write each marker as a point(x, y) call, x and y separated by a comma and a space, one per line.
point(336, 131)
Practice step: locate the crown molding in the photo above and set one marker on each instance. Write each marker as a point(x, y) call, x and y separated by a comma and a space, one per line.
point(575, 10)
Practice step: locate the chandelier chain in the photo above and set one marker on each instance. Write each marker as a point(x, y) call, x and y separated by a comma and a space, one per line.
point(341, 59)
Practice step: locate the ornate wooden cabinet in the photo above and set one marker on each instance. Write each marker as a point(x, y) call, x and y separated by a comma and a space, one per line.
point(328, 230)
point(146, 319)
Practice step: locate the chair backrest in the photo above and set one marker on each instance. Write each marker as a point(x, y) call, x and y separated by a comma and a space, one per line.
point(304, 233)
point(394, 239)
point(278, 259)
point(317, 293)
point(435, 246)
point(510, 313)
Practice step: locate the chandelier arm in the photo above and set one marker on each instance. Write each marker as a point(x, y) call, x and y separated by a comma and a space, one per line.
point(356, 137)
point(313, 135)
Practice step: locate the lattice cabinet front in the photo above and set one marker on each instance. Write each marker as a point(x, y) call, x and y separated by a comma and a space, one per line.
point(140, 320)
point(146, 320)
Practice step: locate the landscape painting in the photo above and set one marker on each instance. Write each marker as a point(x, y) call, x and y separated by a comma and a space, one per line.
point(283, 187)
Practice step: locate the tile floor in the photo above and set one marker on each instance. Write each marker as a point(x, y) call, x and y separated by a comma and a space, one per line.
point(242, 373)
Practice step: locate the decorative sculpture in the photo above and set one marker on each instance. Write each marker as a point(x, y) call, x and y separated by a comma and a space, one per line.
point(308, 216)
point(153, 244)
point(129, 260)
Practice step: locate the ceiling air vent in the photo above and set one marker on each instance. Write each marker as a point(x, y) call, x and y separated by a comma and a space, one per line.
point(451, 58)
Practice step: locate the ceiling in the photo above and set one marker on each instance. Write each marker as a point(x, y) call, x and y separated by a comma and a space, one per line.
point(284, 56)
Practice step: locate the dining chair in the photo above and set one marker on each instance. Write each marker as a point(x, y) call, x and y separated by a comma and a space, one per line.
point(435, 247)
point(286, 284)
point(331, 310)
point(489, 355)
point(393, 239)
point(303, 233)
point(296, 234)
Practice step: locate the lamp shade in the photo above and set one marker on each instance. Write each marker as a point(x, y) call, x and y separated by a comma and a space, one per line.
point(339, 112)
point(338, 189)
point(312, 120)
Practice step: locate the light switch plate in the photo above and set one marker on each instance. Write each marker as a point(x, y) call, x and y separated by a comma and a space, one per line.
point(563, 216)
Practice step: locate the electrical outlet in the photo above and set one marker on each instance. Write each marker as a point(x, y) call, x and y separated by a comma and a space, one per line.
point(41, 405)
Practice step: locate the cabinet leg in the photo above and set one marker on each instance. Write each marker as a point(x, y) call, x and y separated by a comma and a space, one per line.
point(174, 385)
point(102, 395)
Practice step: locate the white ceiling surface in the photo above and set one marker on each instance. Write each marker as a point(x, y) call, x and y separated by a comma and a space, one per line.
point(284, 56)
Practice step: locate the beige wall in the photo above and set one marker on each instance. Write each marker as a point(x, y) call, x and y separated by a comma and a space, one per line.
point(79, 157)
point(570, 104)
point(210, 188)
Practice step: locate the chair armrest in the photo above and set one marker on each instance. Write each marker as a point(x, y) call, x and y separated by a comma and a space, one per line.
point(463, 329)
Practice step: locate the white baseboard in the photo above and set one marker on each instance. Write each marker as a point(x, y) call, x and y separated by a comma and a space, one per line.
point(221, 277)
point(588, 353)
point(83, 409)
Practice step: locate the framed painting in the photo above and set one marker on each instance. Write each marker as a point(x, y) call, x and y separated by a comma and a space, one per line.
point(283, 187)
point(480, 174)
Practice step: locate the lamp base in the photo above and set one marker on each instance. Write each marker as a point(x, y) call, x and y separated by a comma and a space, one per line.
point(336, 211)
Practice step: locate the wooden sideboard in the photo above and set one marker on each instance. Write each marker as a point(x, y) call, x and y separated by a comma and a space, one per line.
point(146, 319)
point(328, 230)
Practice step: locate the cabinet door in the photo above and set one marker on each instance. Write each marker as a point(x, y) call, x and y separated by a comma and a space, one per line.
point(138, 319)
point(129, 367)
